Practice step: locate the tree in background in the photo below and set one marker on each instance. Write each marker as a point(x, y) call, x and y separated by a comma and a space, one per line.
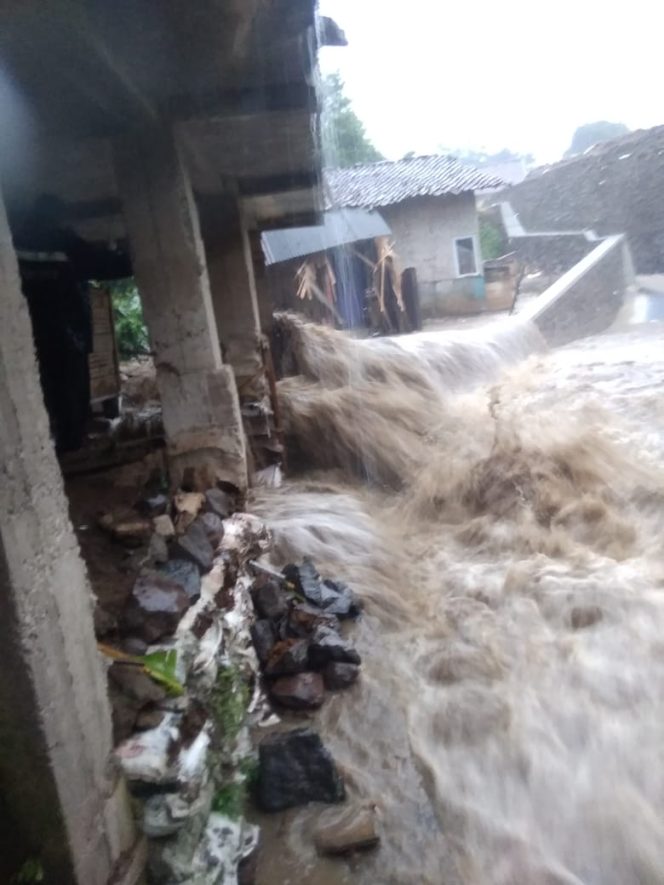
point(344, 137)
point(592, 133)
point(130, 330)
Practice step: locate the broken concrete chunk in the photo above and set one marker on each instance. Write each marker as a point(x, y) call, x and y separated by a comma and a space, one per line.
point(263, 637)
point(288, 657)
point(155, 607)
point(270, 600)
point(351, 829)
point(295, 768)
point(327, 645)
point(338, 674)
point(219, 502)
point(127, 527)
point(194, 546)
point(163, 525)
point(184, 573)
point(304, 691)
point(189, 502)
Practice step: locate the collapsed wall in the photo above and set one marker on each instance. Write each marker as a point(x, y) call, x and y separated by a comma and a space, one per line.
point(617, 187)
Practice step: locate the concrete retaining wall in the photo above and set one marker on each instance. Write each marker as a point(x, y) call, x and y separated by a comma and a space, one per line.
point(586, 299)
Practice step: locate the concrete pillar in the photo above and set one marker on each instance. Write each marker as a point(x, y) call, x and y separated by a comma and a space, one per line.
point(67, 805)
point(233, 286)
point(198, 392)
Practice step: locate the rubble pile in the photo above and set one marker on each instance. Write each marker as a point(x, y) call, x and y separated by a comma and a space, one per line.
point(203, 622)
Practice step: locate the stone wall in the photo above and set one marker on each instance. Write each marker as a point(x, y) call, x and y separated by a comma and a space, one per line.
point(551, 253)
point(617, 187)
point(585, 300)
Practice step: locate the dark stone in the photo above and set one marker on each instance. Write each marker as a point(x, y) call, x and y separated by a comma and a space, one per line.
point(306, 580)
point(194, 546)
point(247, 869)
point(344, 603)
point(338, 675)
point(295, 768)
point(214, 527)
point(132, 645)
point(153, 505)
point(287, 657)
point(155, 607)
point(304, 618)
point(327, 646)
point(133, 681)
point(263, 637)
point(304, 691)
point(270, 600)
point(184, 573)
point(150, 717)
point(219, 502)
point(104, 622)
point(124, 711)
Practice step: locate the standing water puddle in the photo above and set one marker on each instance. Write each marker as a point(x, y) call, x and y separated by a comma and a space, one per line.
point(500, 510)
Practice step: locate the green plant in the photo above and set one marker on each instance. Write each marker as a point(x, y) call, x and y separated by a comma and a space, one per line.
point(229, 701)
point(130, 329)
point(231, 799)
point(491, 239)
point(32, 871)
point(159, 665)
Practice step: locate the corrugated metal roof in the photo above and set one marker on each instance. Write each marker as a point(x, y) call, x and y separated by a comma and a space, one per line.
point(339, 226)
point(388, 182)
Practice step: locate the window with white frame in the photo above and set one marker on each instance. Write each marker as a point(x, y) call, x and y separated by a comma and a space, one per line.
point(465, 256)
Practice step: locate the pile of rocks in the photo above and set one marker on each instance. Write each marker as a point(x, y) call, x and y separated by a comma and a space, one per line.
point(187, 753)
point(297, 635)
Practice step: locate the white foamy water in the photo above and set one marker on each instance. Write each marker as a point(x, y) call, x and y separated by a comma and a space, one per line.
point(500, 510)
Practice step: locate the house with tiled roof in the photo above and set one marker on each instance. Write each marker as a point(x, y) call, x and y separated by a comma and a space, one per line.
point(429, 205)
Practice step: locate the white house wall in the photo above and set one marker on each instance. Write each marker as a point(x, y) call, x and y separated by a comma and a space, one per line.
point(423, 231)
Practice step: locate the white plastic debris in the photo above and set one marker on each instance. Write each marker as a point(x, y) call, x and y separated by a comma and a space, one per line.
point(145, 756)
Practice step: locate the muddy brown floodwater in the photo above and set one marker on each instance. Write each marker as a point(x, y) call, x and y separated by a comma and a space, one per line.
point(500, 508)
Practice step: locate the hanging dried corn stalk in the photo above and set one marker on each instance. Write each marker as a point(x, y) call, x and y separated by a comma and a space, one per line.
point(315, 279)
point(386, 267)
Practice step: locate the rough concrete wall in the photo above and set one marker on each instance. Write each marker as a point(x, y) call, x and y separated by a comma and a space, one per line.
point(55, 726)
point(423, 230)
point(587, 298)
point(616, 188)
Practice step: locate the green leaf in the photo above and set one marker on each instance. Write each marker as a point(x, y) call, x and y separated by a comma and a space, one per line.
point(161, 666)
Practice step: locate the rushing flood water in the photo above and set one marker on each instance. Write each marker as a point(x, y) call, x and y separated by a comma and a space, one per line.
point(500, 509)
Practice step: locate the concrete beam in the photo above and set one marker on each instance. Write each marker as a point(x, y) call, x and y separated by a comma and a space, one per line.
point(198, 393)
point(68, 808)
point(233, 287)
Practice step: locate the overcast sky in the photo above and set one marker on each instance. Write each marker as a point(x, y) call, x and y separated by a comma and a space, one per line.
point(523, 74)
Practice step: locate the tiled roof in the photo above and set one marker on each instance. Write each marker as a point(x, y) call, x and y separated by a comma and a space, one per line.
point(388, 182)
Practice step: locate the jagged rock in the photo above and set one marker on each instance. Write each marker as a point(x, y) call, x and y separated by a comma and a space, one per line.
point(327, 645)
point(149, 717)
point(338, 674)
point(184, 573)
point(153, 505)
point(295, 768)
point(303, 691)
point(155, 607)
point(304, 618)
point(219, 502)
point(344, 602)
point(194, 546)
point(214, 527)
point(305, 579)
point(133, 681)
point(288, 657)
point(270, 600)
point(352, 829)
point(263, 637)
point(158, 548)
point(104, 622)
point(163, 525)
point(583, 616)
